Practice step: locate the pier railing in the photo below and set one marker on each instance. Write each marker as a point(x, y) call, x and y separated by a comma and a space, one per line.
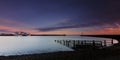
point(78, 44)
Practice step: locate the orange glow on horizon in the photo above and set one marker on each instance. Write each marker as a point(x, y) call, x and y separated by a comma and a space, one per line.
point(104, 31)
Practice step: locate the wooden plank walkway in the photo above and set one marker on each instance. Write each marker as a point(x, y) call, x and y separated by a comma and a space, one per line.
point(78, 44)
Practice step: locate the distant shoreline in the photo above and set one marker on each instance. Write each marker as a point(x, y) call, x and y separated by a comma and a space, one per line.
point(117, 37)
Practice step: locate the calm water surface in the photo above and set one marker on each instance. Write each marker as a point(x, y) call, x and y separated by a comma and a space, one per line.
point(18, 45)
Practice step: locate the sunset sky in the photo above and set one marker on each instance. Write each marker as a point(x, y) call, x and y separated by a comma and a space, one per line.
point(60, 16)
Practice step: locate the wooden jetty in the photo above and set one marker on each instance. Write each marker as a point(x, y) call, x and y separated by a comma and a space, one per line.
point(85, 44)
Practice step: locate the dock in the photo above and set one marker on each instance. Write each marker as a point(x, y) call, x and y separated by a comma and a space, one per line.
point(85, 44)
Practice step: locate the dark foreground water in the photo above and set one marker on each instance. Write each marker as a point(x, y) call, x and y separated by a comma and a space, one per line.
point(18, 45)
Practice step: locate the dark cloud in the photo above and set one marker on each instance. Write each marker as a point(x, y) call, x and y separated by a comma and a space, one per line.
point(99, 13)
point(83, 22)
point(78, 24)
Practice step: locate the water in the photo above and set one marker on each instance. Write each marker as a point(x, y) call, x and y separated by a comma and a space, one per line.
point(18, 45)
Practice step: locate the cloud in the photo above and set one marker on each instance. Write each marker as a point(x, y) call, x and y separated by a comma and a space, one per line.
point(85, 22)
point(98, 14)
point(7, 25)
point(8, 22)
point(4, 28)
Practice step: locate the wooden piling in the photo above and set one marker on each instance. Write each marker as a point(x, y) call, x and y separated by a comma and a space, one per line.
point(112, 42)
point(105, 43)
point(93, 43)
point(84, 43)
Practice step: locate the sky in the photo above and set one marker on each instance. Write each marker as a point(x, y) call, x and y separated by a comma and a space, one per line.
point(60, 16)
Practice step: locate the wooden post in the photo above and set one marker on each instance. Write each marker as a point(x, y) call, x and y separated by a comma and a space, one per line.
point(101, 44)
point(112, 42)
point(85, 42)
point(81, 42)
point(73, 43)
point(63, 42)
point(66, 43)
point(93, 43)
point(105, 43)
point(55, 40)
